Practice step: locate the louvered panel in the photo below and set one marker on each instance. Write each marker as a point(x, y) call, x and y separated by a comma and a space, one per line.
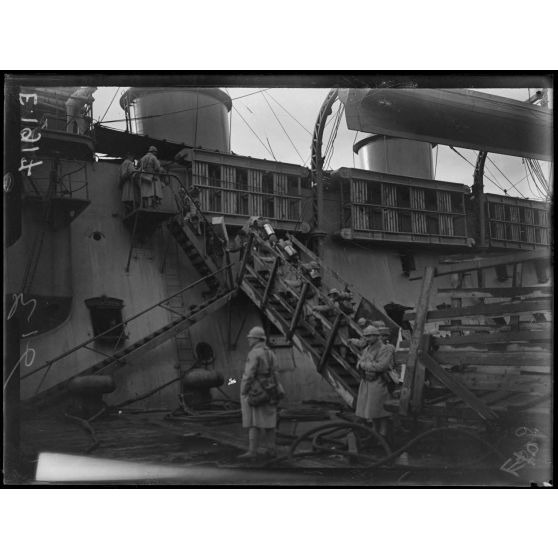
point(417, 198)
point(281, 208)
point(228, 181)
point(255, 201)
point(444, 201)
point(446, 225)
point(389, 195)
point(418, 222)
point(201, 179)
point(390, 220)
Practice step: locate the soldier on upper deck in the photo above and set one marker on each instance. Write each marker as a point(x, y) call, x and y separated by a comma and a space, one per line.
point(150, 185)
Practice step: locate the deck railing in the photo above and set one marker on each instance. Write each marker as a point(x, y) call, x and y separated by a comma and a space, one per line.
point(240, 191)
point(517, 222)
point(404, 212)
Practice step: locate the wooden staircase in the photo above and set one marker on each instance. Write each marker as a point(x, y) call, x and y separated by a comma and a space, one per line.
point(261, 278)
point(193, 248)
point(487, 354)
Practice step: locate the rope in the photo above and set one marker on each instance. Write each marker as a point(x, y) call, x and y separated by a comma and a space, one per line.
point(184, 110)
point(110, 104)
point(245, 122)
point(282, 127)
point(512, 184)
point(467, 160)
point(301, 125)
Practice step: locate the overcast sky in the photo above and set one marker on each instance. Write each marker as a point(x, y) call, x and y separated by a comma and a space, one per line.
point(290, 140)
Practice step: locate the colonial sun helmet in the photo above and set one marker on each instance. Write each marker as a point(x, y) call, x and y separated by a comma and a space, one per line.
point(256, 332)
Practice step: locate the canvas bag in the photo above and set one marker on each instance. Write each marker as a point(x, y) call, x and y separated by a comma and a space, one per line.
point(265, 388)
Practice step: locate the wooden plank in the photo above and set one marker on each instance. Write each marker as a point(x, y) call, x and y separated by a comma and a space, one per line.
point(270, 282)
point(416, 340)
point(497, 309)
point(498, 292)
point(457, 387)
point(508, 259)
point(505, 337)
point(523, 326)
point(490, 358)
point(420, 372)
point(329, 343)
point(298, 311)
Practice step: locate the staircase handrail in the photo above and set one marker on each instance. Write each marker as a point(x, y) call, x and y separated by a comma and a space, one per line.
point(316, 259)
point(316, 290)
point(124, 322)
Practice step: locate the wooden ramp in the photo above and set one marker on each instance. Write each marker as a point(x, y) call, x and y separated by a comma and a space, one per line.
point(484, 354)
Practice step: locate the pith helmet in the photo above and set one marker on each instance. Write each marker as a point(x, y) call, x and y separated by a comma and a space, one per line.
point(333, 292)
point(371, 330)
point(256, 333)
point(152, 149)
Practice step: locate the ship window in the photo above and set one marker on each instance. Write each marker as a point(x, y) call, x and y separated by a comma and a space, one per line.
point(407, 264)
point(456, 202)
point(502, 273)
point(293, 185)
point(241, 179)
point(403, 196)
point(405, 225)
point(106, 313)
point(430, 200)
point(432, 225)
point(374, 193)
point(267, 183)
point(214, 174)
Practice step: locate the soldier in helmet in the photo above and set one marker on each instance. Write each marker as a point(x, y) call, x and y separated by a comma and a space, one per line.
point(374, 362)
point(150, 186)
point(260, 419)
point(127, 182)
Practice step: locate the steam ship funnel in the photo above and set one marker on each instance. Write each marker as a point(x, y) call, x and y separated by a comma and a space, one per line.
point(196, 117)
point(398, 156)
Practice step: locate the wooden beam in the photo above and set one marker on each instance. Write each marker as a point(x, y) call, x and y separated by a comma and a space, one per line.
point(486, 358)
point(245, 258)
point(418, 382)
point(538, 254)
point(506, 337)
point(329, 343)
point(528, 326)
point(457, 387)
point(495, 309)
point(270, 282)
point(298, 311)
point(498, 292)
point(416, 340)
point(509, 382)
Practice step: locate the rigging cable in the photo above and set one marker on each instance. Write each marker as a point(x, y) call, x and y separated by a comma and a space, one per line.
point(354, 141)
point(245, 122)
point(110, 104)
point(282, 127)
point(467, 160)
point(301, 125)
point(185, 110)
point(512, 184)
